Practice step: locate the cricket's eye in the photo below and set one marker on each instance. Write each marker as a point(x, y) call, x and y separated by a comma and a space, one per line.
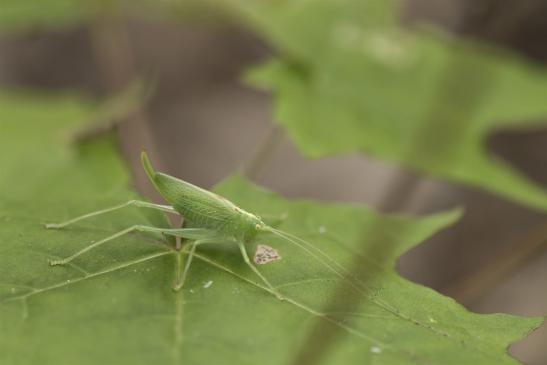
point(257, 227)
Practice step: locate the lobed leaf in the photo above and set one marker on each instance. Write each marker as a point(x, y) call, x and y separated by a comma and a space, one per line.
point(349, 79)
point(115, 305)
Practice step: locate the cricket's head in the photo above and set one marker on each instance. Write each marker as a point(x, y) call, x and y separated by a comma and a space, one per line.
point(252, 223)
point(258, 224)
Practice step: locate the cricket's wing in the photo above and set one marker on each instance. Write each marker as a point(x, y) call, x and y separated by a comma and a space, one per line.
point(199, 207)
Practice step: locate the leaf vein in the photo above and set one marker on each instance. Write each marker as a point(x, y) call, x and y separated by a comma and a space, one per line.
point(92, 275)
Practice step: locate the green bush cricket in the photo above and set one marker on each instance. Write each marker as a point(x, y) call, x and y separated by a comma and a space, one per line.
point(208, 218)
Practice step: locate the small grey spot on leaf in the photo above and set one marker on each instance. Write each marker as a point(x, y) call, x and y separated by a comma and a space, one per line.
point(265, 254)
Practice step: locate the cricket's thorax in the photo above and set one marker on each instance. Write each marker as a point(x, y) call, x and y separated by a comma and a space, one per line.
point(204, 209)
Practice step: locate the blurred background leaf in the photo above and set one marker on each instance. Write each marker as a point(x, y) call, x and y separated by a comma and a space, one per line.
point(347, 78)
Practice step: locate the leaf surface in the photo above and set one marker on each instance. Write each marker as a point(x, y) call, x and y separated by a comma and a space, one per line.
point(115, 305)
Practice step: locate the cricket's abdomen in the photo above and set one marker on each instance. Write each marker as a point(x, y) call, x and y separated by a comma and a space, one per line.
point(204, 209)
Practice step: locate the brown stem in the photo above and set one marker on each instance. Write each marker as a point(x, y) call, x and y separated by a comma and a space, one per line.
point(264, 152)
point(114, 55)
point(453, 105)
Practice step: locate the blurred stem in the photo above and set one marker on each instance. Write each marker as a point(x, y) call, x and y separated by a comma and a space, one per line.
point(114, 56)
point(264, 152)
point(475, 285)
point(400, 189)
point(455, 102)
point(323, 336)
point(113, 53)
point(111, 46)
point(113, 112)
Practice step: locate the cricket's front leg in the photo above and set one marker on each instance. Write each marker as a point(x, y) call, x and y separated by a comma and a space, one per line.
point(190, 233)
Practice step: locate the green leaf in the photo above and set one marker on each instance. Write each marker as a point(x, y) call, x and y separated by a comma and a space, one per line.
point(115, 305)
point(348, 79)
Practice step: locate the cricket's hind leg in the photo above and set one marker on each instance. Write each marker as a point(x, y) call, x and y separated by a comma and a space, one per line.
point(250, 264)
point(198, 235)
point(137, 203)
point(190, 233)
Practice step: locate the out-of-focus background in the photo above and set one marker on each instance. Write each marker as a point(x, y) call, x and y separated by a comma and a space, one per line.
point(203, 123)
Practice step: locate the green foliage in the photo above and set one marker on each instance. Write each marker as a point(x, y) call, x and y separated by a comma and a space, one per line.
point(349, 79)
point(16, 14)
point(21, 15)
point(115, 304)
